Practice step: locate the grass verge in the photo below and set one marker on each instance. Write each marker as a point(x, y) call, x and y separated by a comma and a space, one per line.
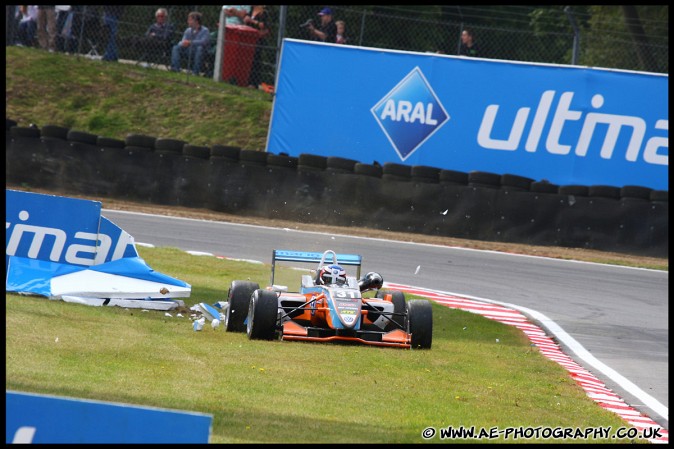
point(288, 392)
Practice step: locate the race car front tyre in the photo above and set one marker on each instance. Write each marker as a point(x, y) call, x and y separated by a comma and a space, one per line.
point(238, 297)
point(262, 315)
point(420, 323)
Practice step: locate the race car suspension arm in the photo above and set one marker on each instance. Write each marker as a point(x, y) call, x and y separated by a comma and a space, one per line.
point(301, 306)
point(387, 315)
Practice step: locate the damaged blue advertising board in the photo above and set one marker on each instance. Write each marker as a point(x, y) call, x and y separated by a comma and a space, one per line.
point(565, 124)
point(63, 248)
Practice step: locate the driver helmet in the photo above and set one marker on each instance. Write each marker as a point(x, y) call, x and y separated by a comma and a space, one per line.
point(332, 274)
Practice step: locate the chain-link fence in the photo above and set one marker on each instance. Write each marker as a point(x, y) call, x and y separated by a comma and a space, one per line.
point(579, 35)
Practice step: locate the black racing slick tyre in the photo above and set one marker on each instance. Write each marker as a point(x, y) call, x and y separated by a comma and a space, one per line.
point(399, 307)
point(420, 323)
point(262, 315)
point(238, 298)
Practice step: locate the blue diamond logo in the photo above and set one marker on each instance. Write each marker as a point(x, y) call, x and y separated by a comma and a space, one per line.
point(410, 114)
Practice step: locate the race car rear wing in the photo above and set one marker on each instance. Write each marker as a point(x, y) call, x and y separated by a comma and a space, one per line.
point(328, 257)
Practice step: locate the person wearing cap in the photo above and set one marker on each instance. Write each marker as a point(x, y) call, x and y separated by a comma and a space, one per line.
point(327, 31)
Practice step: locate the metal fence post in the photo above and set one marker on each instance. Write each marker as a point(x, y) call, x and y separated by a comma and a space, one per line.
point(576, 35)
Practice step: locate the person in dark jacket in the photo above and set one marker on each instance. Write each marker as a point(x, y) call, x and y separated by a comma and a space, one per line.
point(111, 16)
point(468, 46)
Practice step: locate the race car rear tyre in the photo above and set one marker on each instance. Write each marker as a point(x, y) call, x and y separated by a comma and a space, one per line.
point(420, 323)
point(238, 297)
point(262, 314)
point(399, 306)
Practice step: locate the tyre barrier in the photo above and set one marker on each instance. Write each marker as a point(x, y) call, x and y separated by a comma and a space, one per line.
point(57, 132)
point(573, 190)
point(515, 182)
point(475, 205)
point(282, 161)
point(637, 192)
point(133, 149)
point(543, 187)
point(24, 132)
point(368, 170)
point(230, 153)
point(140, 140)
point(423, 173)
point(484, 179)
point(392, 171)
point(340, 164)
point(604, 192)
point(197, 151)
point(169, 145)
point(83, 137)
point(252, 157)
point(660, 195)
point(109, 142)
point(453, 177)
point(311, 162)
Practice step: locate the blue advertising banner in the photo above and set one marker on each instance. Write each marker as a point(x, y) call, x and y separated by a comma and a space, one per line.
point(63, 230)
point(62, 247)
point(565, 124)
point(36, 418)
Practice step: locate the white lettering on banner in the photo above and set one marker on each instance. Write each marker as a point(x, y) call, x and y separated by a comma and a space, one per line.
point(100, 248)
point(24, 435)
point(420, 112)
point(74, 249)
point(563, 114)
point(483, 136)
point(651, 152)
point(39, 235)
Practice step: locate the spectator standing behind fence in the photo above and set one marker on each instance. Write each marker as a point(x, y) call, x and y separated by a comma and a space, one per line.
point(235, 14)
point(194, 44)
point(27, 25)
point(46, 27)
point(340, 37)
point(111, 16)
point(257, 19)
point(468, 46)
point(62, 13)
point(327, 30)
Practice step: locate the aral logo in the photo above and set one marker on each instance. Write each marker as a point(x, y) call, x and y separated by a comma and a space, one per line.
point(410, 114)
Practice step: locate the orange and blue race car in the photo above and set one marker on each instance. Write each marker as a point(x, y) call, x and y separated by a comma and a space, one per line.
point(329, 306)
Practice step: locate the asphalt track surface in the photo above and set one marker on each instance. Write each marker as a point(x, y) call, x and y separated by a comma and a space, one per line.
point(618, 316)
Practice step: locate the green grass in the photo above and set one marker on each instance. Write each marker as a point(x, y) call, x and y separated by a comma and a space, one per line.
point(115, 99)
point(288, 392)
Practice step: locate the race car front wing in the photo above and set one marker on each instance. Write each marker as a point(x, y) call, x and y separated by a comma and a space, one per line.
point(396, 338)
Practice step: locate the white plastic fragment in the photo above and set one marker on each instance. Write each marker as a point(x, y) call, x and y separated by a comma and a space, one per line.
point(198, 324)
